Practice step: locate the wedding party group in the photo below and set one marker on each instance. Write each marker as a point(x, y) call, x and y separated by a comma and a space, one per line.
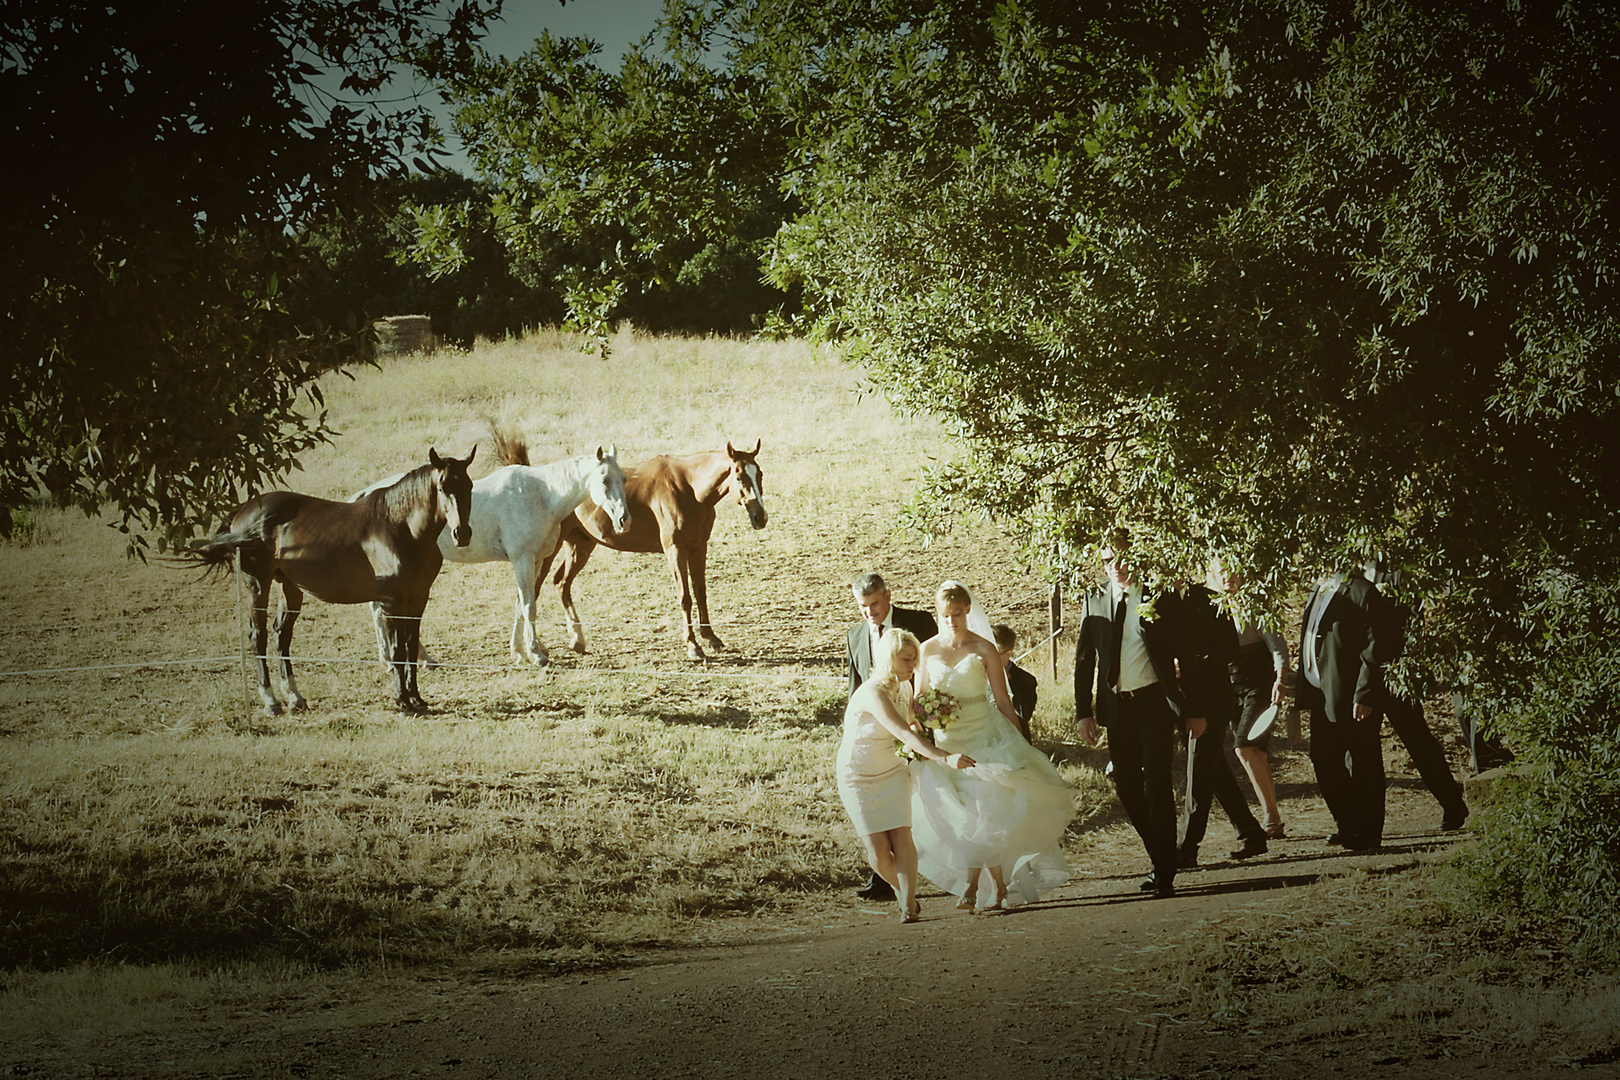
point(940, 780)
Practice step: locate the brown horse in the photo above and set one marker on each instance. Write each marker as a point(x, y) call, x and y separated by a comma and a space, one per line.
point(381, 549)
point(671, 501)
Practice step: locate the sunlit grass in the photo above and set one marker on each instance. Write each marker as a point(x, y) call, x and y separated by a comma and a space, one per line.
point(163, 843)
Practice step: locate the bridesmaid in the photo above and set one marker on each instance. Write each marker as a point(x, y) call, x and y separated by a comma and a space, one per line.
point(873, 781)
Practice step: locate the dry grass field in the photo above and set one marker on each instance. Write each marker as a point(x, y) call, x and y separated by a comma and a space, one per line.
point(171, 859)
point(151, 814)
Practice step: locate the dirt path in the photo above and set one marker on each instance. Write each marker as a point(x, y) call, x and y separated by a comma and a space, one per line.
point(841, 990)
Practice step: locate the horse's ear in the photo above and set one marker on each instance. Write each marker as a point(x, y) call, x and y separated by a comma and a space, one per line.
point(472, 453)
point(729, 451)
point(757, 444)
point(601, 455)
point(434, 459)
point(613, 450)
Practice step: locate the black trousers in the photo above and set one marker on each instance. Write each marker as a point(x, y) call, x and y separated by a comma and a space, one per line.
point(1213, 781)
point(1349, 763)
point(1141, 748)
point(1407, 722)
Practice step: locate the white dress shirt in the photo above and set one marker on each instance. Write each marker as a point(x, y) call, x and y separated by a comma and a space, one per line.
point(1135, 666)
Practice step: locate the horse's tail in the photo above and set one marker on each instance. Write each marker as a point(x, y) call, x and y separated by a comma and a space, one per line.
point(218, 555)
point(510, 449)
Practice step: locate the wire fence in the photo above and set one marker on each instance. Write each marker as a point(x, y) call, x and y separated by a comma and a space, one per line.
point(246, 657)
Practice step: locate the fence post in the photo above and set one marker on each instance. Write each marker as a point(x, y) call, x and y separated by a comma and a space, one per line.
point(1054, 626)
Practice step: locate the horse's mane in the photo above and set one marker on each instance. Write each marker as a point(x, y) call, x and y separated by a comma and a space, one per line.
point(398, 499)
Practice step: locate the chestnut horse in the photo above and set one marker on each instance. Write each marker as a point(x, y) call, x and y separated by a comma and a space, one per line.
point(672, 502)
point(382, 549)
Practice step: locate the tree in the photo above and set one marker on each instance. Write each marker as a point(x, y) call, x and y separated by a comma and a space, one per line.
point(365, 265)
point(171, 148)
point(650, 194)
point(1290, 282)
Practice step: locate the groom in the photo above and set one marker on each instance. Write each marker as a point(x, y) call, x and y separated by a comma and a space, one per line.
point(878, 614)
point(1130, 639)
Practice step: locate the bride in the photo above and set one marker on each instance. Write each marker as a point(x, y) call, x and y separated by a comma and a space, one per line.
point(1004, 817)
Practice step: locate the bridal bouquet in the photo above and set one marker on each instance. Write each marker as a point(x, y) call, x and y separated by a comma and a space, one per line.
point(935, 708)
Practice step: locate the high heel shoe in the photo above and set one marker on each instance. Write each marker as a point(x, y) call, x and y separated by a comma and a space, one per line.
point(913, 912)
point(967, 901)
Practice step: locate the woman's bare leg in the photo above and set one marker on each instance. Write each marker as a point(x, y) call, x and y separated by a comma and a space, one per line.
point(1257, 763)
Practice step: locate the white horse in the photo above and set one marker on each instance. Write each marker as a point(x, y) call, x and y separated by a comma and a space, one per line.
point(520, 510)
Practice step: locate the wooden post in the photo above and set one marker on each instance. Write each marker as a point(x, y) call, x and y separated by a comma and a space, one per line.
point(1054, 626)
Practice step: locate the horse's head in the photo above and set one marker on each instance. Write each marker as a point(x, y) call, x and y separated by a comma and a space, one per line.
point(607, 488)
point(747, 483)
point(455, 493)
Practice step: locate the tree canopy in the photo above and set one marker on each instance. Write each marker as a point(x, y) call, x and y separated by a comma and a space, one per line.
point(165, 150)
point(650, 194)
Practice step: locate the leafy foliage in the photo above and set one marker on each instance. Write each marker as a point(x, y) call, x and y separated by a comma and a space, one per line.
point(148, 348)
point(650, 194)
point(365, 268)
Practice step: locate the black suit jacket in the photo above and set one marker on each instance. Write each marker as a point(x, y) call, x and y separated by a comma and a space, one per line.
point(858, 647)
point(1209, 649)
point(1022, 686)
point(1358, 635)
point(1096, 651)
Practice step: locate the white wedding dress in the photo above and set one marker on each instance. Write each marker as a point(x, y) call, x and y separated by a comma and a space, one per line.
point(1009, 810)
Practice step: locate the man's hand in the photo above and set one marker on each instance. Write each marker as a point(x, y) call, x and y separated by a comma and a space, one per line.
point(1363, 712)
point(1195, 726)
point(1088, 730)
point(1278, 692)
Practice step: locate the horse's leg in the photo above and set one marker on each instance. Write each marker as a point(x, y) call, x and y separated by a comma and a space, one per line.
point(399, 654)
point(261, 643)
point(292, 602)
point(525, 642)
point(681, 568)
point(410, 628)
point(379, 622)
point(700, 592)
point(579, 551)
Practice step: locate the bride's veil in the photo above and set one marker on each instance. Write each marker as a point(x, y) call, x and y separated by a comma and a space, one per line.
point(978, 621)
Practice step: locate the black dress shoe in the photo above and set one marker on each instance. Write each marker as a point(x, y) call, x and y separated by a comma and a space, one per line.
point(1164, 891)
point(1148, 884)
point(879, 890)
point(1254, 845)
point(1186, 860)
point(1335, 840)
point(1453, 819)
point(1362, 843)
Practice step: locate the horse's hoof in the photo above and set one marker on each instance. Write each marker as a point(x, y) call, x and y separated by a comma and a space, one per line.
point(694, 653)
point(578, 646)
point(715, 643)
point(297, 703)
point(272, 708)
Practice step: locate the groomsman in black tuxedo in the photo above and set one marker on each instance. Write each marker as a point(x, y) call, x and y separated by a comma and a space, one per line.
point(1210, 651)
point(1349, 632)
point(878, 614)
point(1022, 685)
point(1130, 637)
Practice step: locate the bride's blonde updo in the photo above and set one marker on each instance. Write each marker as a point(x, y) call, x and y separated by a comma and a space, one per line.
point(889, 647)
point(952, 592)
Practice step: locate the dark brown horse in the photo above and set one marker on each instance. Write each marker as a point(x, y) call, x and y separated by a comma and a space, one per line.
point(671, 501)
point(381, 549)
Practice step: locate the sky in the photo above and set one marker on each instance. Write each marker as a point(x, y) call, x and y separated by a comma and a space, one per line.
point(614, 24)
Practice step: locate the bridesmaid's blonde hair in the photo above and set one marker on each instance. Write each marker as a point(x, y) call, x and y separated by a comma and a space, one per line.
point(889, 646)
